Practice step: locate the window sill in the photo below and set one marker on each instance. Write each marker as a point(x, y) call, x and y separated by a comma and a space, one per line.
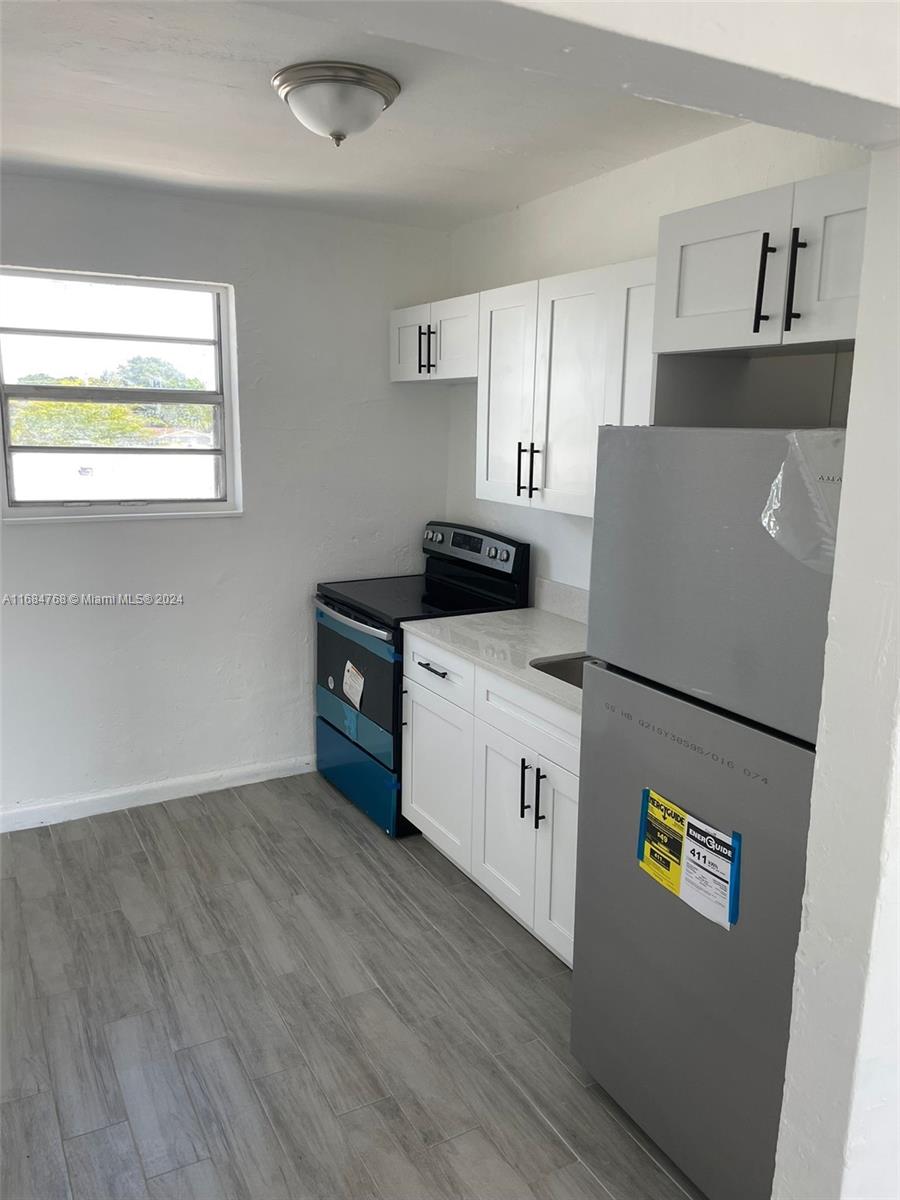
point(11, 517)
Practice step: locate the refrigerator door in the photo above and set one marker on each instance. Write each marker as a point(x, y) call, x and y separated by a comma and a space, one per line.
point(685, 1022)
point(711, 568)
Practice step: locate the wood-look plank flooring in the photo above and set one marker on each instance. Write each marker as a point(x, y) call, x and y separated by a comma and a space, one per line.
point(255, 995)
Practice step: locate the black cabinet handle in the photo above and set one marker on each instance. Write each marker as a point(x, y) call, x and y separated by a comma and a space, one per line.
point(421, 366)
point(523, 767)
point(433, 670)
point(429, 365)
point(789, 315)
point(764, 251)
point(531, 453)
point(538, 815)
point(520, 486)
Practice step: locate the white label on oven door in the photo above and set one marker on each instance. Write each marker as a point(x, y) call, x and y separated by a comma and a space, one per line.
point(354, 682)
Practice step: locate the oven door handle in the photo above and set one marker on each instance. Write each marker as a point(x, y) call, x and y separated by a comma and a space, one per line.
point(383, 635)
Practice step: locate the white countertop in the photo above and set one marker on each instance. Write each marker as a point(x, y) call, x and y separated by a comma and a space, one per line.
point(506, 642)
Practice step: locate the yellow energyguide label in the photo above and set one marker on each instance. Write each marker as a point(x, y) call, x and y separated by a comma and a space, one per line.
point(662, 836)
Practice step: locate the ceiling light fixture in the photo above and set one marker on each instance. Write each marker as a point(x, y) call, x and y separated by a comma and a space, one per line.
point(335, 99)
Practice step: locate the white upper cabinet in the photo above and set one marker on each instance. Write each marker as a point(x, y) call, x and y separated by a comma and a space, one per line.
point(539, 409)
point(570, 379)
point(729, 275)
point(434, 341)
point(507, 328)
point(721, 273)
point(454, 325)
point(628, 394)
point(830, 218)
point(407, 342)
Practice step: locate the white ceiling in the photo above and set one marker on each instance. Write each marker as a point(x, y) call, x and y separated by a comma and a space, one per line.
point(179, 93)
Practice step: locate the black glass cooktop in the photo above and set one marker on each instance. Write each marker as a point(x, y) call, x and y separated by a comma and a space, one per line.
point(405, 598)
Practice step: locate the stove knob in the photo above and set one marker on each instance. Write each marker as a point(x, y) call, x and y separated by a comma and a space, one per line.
point(504, 556)
point(438, 537)
point(492, 551)
point(429, 534)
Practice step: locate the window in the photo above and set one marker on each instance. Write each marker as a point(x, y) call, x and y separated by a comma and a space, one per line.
point(116, 395)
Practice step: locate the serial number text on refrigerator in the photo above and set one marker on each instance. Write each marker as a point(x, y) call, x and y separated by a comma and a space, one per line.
point(687, 744)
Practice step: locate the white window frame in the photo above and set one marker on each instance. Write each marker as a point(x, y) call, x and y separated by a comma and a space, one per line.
point(226, 399)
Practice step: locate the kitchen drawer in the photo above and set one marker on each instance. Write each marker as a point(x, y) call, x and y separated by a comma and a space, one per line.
point(443, 673)
point(546, 727)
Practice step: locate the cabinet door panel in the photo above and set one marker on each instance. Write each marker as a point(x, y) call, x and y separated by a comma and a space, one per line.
point(569, 383)
point(506, 341)
point(554, 899)
point(708, 265)
point(830, 213)
point(404, 342)
point(629, 359)
point(455, 325)
point(437, 771)
point(502, 840)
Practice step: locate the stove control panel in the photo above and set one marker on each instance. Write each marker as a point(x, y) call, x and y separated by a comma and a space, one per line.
point(479, 546)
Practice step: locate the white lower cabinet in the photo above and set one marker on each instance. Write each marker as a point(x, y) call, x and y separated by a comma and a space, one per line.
point(503, 835)
point(437, 771)
point(493, 800)
point(554, 871)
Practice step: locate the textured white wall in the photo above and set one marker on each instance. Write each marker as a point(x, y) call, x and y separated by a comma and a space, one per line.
point(615, 216)
point(839, 1123)
point(608, 219)
point(340, 470)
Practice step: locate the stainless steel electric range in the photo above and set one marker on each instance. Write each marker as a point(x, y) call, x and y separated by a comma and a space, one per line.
point(359, 654)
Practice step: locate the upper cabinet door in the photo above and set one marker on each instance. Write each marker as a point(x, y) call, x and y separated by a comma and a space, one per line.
point(408, 344)
point(569, 381)
point(507, 326)
point(721, 273)
point(830, 218)
point(454, 334)
point(629, 356)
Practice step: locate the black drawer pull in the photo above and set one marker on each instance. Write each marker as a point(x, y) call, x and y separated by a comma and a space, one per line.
point(523, 767)
point(433, 670)
point(538, 815)
point(421, 366)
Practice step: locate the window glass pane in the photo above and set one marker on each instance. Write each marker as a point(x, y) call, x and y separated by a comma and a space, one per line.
point(85, 423)
point(87, 475)
point(36, 302)
point(94, 362)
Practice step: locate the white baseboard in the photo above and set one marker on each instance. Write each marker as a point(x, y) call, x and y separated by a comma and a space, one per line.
point(67, 808)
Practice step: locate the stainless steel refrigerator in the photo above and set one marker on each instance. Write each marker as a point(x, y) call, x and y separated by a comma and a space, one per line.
point(710, 582)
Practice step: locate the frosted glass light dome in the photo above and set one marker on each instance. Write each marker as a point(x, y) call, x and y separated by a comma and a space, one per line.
point(335, 99)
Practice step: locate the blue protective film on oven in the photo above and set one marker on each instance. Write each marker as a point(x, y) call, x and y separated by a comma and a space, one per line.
point(370, 786)
point(377, 741)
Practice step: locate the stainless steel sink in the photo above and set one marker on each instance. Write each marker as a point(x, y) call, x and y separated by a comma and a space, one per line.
point(567, 667)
